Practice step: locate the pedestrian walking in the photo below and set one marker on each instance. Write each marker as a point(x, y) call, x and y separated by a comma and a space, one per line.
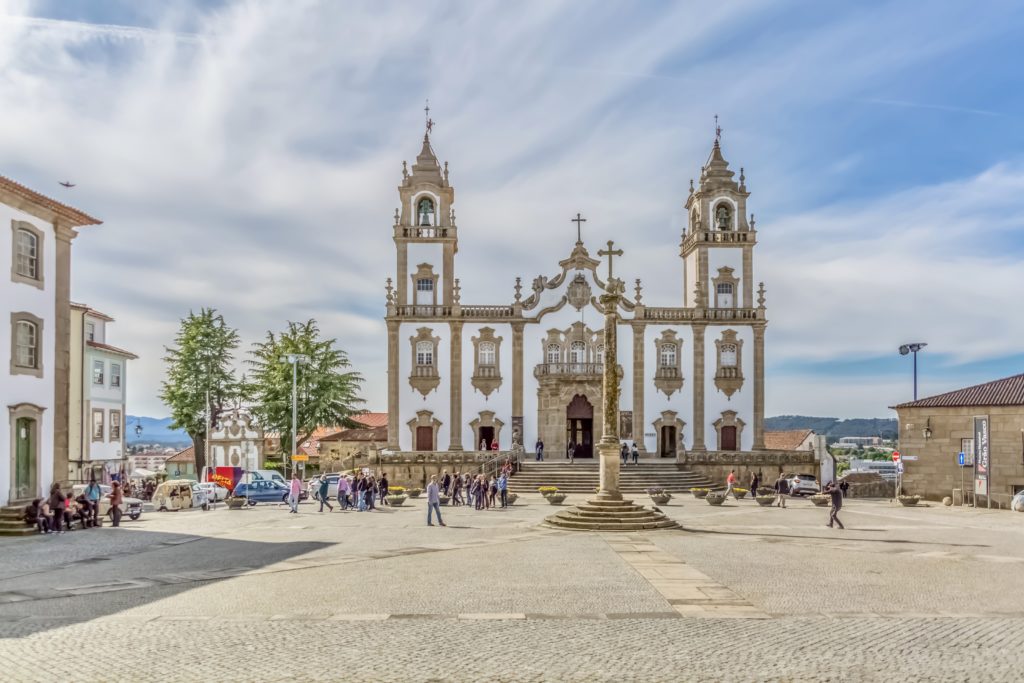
point(360, 492)
point(456, 490)
point(434, 502)
point(755, 480)
point(343, 487)
point(323, 490)
point(837, 503)
point(539, 448)
point(503, 489)
point(93, 493)
point(844, 486)
point(492, 491)
point(624, 452)
point(116, 500)
point(781, 489)
point(382, 489)
point(56, 503)
point(446, 483)
point(636, 454)
point(570, 449)
point(294, 488)
point(730, 483)
point(371, 489)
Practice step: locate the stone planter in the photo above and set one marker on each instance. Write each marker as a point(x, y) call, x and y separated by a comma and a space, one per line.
point(414, 493)
point(556, 498)
point(396, 501)
point(820, 500)
point(548, 493)
point(909, 501)
point(660, 499)
point(236, 502)
point(765, 501)
point(512, 497)
point(445, 499)
point(715, 498)
point(700, 493)
point(740, 493)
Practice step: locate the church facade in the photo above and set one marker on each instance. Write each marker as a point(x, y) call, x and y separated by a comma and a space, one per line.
point(463, 375)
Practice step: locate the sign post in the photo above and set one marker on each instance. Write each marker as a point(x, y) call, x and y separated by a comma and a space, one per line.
point(981, 460)
point(899, 474)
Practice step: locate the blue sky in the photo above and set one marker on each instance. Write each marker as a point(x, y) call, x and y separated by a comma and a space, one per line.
point(244, 155)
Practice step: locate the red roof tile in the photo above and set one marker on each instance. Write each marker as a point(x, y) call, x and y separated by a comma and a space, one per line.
point(786, 441)
point(1008, 391)
point(184, 455)
point(70, 213)
point(372, 419)
point(111, 349)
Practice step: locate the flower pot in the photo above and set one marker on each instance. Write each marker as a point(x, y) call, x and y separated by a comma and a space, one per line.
point(236, 502)
point(660, 499)
point(820, 500)
point(547, 492)
point(765, 501)
point(445, 500)
point(739, 493)
point(715, 498)
point(512, 497)
point(414, 493)
point(556, 498)
point(909, 501)
point(700, 493)
point(396, 501)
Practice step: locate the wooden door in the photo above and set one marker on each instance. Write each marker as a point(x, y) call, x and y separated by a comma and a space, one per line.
point(424, 438)
point(25, 458)
point(728, 438)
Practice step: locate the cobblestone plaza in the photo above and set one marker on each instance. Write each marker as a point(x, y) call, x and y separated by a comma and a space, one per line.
point(740, 593)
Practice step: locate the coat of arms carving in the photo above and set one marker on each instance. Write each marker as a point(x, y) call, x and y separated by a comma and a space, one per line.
point(578, 293)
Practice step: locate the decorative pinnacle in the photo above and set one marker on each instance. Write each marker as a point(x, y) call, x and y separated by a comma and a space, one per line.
point(405, 169)
point(446, 173)
point(457, 294)
point(743, 178)
point(639, 296)
point(752, 221)
point(760, 295)
point(390, 292)
point(396, 216)
point(691, 185)
point(519, 288)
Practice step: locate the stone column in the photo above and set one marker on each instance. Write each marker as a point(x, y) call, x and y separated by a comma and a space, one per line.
point(62, 359)
point(517, 378)
point(402, 273)
point(698, 387)
point(455, 372)
point(638, 386)
point(748, 277)
point(608, 446)
point(759, 387)
point(448, 266)
point(393, 384)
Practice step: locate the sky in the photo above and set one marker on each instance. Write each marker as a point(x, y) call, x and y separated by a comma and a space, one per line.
point(245, 156)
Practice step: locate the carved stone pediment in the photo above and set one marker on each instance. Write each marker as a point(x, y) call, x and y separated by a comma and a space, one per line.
point(578, 292)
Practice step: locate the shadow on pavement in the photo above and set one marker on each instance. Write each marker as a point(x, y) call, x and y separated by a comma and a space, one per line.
point(768, 536)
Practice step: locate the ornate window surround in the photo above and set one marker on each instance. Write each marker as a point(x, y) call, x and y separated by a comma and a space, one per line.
point(15, 368)
point(486, 378)
point(424, 378)
point(670, 418)
point(668, 379)
point(35, 413)
point(726, 277)
point(424, 271)
point(729, 379)
point(485, 419)
point(424, 418)
point(37, 281)
point(729, 419)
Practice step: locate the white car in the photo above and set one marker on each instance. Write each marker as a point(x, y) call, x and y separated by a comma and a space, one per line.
point(132, 506)
point(214, 491)
point(803, 484)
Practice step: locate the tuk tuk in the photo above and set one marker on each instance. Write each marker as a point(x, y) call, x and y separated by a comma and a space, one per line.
point(179, 494)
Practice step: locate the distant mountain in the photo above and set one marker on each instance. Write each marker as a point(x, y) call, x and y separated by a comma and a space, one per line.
point(155, 430)
point(833, 427)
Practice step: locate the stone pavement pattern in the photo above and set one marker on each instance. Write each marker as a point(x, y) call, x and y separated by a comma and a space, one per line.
point(741, 593)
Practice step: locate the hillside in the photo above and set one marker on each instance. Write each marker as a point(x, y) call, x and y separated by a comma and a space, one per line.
point(833, 427)
point(155, 430)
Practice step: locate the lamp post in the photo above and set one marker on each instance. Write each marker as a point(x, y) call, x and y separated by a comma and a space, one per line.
point(294, 359)
point(913, 348)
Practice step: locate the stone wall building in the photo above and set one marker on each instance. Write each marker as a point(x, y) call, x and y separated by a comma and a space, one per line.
point(937, 428)
point(464, 377)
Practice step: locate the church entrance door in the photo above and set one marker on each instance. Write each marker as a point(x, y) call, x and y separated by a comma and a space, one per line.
point(668, 442)
point(728, 438)
point(486, 438)
point(579, 426)
point(424, 438)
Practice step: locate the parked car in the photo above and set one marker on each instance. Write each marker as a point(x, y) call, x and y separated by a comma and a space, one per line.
point(332, 486)
point(269, 475)
point(179, 494)
point(132, 506)
point(803, 484)
point(214, 491)
point(263, 491)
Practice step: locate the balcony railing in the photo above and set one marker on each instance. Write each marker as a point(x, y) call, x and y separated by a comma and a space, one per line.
point(424, 371)
point(728, 372)
point(415, 311)
point(720, 237)
point(427, 231)
point(568, 370)
point(487, 372)
point(686, 314)
point(486, 311)
point(667, 373)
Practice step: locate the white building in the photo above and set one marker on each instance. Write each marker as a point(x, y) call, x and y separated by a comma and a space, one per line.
point(35, 302)
point(98, 386)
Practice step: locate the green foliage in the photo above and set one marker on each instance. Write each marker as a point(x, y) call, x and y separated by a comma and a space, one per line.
point(842, 468)
point(200, 361)
point(327, 391)
point(833, 427)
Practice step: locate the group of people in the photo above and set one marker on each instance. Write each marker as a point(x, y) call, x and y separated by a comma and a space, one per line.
point(478, 491)
point(836, 491)
point(59, 511)
point(360, 492)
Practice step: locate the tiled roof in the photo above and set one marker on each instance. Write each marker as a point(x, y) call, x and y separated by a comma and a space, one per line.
point(92, 311)
point(110, 349)
point(786, 441)
point(372, 419)
point(184, 455)
point(374, 434)
point(17, 191)
point(1008, 391)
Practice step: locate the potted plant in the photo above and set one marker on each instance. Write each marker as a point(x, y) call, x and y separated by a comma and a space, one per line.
point(714, 498)
point(396, 499)
point(512, 497)
point(766, 499)
point(556, 498)
point(821, 499)
point(909, 501)
point(444, 499)
point(740, 493)
point(236, 502)
point(659, 496)
point(699, 492)
point(413, 492)
point(547, 490)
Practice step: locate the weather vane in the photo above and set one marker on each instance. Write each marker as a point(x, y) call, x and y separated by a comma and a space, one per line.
point(430, 121)
point(718, 130)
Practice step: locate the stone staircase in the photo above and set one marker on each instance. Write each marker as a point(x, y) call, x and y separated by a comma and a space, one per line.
point(610, 515)
point(12, 521)
point(582, 477)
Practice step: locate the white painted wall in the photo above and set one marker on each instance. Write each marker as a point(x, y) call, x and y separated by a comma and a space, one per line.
point(500, 400)
point(22, 388)
point(655, 401)
point(420, 252)
point(742, 401)
point(725, 257)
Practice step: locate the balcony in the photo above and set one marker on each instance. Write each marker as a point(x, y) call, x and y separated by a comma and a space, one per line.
point(427, 232)
point(486, 311)
point(675, 315)
point(740, 237)
point(416, 311)
point(578, 370)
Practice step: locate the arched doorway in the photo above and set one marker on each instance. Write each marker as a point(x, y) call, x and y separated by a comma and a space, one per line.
point(579, 426)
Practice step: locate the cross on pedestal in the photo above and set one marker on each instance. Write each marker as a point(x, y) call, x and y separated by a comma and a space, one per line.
point(610, 253)
point(579, 221)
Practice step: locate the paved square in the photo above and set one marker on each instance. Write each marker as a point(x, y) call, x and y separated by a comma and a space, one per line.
point(741, 593)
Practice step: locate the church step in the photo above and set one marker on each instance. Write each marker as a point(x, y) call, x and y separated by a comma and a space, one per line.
point(588, 525)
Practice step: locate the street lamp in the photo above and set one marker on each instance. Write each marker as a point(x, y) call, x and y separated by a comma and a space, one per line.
point(913, 348)
point(294, 359)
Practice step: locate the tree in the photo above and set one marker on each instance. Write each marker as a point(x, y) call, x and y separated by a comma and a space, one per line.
point(199, 362)
point(327, 390)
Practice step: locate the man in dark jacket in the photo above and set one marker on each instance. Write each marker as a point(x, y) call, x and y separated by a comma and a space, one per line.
point(837, 503)
point(382, 488)
point(322, 492)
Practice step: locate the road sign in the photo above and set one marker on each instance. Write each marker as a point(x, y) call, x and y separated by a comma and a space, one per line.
point(300, 457)
point(899, 468)
point(895, 456)
point(961, 459)
point(908, 458)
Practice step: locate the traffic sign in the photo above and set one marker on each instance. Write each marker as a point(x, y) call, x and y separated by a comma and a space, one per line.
point(895, 456)
point(961, 459)
point(899, 468)
point(300, 457)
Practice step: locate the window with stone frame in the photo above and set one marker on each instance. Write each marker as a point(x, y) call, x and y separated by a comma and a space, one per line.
point(554, 353)
point(578, 352)
point(115, 425)
point(668, 375)
point(599, 354)
point(729, 356)
point(26, 254)
point(26, 345)
point(97, 425)
point(424, 376)
point(726, 285)
point(487, 361)
point(115, 374)
point(97, 372)
point(424, 284)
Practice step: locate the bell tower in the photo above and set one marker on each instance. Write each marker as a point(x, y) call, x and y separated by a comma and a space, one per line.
point(426, 238)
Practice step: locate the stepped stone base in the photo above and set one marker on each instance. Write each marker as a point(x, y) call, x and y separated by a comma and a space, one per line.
point(610, 515)
point(12, 522)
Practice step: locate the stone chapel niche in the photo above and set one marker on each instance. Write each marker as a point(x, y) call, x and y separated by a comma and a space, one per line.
point(425, 211)
point(723, 217)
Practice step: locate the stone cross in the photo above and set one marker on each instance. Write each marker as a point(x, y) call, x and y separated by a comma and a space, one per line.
point(579, 221)
point(610, 253)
